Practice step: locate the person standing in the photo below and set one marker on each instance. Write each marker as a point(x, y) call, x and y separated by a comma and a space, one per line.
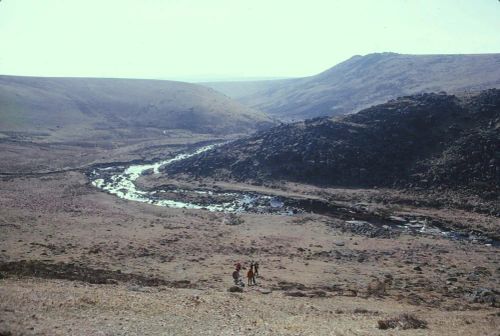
point(256, 269)
point(236, 277)
point(250, 276)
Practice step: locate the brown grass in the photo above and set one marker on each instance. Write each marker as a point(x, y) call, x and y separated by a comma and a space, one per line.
point(403, 321)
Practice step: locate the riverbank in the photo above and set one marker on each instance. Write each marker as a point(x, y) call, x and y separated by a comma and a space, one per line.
point(68, 249)
point(61, 218)
point(146, 183)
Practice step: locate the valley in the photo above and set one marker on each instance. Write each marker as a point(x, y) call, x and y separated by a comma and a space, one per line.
point(389, 214)
point(83, 252)
point(249, 168)
point(362, 81)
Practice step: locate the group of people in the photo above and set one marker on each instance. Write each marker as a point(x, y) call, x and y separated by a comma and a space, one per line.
point(252, 273)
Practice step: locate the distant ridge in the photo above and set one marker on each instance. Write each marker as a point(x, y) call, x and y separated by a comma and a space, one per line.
point(362, 81)
point(79, 107)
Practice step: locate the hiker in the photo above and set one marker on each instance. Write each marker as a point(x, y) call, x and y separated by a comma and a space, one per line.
point(237, 266)
point(251, 276)
point(236, 277)
point(256, 269)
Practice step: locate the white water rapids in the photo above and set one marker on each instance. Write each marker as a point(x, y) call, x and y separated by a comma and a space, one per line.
point(122, 184)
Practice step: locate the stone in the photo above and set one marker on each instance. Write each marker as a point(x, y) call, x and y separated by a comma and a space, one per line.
point(265, 291)
point(295, 294)
point(484, 295)
point(136, 288)
point(235, 289)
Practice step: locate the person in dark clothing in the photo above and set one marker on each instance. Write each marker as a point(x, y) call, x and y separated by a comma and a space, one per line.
point(256, 268)
point(236, 277)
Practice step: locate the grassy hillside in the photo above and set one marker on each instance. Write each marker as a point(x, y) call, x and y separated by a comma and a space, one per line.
point(241, 89)
point(363, 81)
point(83, 106)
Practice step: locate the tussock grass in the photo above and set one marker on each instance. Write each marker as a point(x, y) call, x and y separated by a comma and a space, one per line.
point(403, 321)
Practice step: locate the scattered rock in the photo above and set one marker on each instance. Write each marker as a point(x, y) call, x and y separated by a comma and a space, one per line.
point(235, 289)
point(317, 293)
point(136, 288)
point(295, 294)
point(485, 295)
point(473, 277)
point(481, 271)
point(397, 219)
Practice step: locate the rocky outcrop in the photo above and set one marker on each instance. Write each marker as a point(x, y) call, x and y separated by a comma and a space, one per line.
point(427, 140)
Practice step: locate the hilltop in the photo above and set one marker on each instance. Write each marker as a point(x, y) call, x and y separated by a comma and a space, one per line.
point(426, 140)
point(362, 81)
point(90, 108)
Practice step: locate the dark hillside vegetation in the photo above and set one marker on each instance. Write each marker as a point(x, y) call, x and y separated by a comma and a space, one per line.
point(422, 141)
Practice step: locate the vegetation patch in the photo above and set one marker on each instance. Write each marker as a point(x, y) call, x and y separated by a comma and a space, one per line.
point(68, 271)
point(403, 321)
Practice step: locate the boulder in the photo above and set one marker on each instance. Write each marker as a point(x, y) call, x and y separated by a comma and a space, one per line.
point(235, 289)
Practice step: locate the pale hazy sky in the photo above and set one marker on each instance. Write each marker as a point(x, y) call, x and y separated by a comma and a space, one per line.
point(207, 39)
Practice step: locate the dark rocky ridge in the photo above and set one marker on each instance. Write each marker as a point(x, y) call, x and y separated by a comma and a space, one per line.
point(427, 140)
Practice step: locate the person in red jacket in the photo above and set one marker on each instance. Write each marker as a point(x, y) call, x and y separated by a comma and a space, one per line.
point(251, 276)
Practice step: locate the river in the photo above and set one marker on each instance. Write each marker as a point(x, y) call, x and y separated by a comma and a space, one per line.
point(120, 180)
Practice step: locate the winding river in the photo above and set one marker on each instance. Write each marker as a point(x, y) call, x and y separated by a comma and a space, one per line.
point(120, 180)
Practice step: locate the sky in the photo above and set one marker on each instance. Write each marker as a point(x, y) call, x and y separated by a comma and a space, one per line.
point(197, 40)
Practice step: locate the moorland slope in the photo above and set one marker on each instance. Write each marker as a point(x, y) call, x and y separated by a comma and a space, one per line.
point(362, 81)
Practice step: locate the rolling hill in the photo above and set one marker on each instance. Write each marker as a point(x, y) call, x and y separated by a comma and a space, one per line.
point(83, 107)
point(427, 140)
point(362, 81)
